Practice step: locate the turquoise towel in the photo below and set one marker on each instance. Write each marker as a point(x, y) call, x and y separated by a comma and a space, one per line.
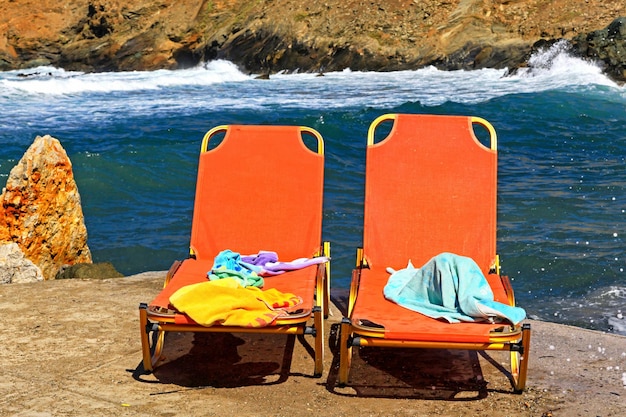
point(228, 264)
point(449, 287)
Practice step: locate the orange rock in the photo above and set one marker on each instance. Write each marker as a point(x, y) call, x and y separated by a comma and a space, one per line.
point(41, 209)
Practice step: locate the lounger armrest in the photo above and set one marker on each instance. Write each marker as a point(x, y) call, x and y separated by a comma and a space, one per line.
point(506, 283)
point(321, 283)
point(354, 289)
point(361, 262)
point(170, 273)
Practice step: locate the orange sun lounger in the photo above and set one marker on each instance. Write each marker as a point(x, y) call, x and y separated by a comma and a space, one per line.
point(430, 188)
point(259, 188)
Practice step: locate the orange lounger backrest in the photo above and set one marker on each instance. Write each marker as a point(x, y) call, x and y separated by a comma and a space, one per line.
point(430, 188)
point(259, 189)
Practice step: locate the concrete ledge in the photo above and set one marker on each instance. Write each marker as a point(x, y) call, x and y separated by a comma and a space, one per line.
point(72, 347)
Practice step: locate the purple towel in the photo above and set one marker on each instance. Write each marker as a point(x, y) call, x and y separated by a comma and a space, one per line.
point(268, 261)
point(261, 258)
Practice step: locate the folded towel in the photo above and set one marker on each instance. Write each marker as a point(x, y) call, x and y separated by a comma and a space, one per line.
point(227, 303)
point(449, 287)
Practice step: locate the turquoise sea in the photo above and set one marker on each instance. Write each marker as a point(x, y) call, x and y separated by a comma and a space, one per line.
point(134, 140)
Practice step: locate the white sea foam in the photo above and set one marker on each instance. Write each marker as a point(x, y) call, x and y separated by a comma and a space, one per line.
point(557, 66)
point(52, 81)
point(553, 68)
point(612, 300)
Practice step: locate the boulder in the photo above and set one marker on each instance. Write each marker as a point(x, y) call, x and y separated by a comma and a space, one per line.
point(608, 46)
point(100, 270)
point(15, 268)
point(40, 209)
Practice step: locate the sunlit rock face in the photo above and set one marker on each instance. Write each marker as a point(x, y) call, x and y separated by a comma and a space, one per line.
point(266, 37)
point(15, 268)
point(41, 209)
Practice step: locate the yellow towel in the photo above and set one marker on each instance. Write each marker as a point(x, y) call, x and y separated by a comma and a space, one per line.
point(227, 303)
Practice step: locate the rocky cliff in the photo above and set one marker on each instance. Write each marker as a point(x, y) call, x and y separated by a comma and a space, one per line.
point(304, 35)
point(41, 215)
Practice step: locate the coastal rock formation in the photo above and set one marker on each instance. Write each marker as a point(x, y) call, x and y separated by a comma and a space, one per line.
point(295, 35)
point(607, 46)
point(15, 268)
point(40, 209)
point(101, 270)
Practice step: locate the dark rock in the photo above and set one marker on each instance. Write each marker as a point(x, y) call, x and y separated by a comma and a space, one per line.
point(476, 56)
point(186, 58)
point(607, 46)
point(542, 46)
point(89, 271)
point(85, 56)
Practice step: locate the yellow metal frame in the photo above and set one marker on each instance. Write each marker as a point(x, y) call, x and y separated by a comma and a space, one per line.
point(223, 128)
point(492, 131)
point(208, 135)
point(154, 327)
point(372, 129)
point(493, 137)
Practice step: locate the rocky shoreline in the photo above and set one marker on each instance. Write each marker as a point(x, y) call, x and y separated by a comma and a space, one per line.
point(311, 36)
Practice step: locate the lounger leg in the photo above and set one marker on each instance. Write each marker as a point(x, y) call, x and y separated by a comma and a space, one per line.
point(519, 361)
point(319, 342)
point(145, 339)
point(327, 300)
point(345, 352)
point(151, 349)
point(158, 341)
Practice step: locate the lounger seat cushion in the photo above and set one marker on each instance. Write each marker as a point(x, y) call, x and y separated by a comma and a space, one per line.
point(193, 271)
point(399, 323)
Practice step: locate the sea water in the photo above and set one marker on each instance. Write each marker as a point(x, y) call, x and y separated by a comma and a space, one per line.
point(134, 140)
